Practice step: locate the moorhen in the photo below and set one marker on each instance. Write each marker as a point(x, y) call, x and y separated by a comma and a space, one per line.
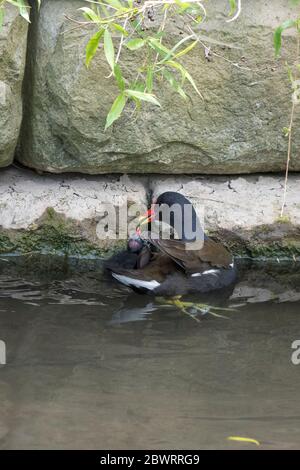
point(170, 267)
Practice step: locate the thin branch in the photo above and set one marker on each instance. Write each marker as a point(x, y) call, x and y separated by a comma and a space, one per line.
point(234, 64)
point(289, 141)
point(288, 160)
point(120, 47)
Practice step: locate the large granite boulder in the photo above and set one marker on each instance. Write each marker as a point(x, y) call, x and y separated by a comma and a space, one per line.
point(13, 40)
point(236, 128)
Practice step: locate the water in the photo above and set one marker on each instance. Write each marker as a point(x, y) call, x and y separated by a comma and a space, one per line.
point(92, 365)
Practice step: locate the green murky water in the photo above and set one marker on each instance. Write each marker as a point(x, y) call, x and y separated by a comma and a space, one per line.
point(92, 365)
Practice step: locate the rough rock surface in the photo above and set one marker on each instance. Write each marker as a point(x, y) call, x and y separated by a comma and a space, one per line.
point(13, 40)
point(236, 128)
point(63, 213)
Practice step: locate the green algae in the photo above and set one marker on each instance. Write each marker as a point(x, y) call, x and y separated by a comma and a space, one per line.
point(54, 233)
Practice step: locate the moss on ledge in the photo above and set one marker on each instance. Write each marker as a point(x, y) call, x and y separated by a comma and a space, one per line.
point(55, 234)
point(279, 240)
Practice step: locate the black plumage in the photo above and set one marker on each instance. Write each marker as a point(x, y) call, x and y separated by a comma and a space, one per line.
point(193, 263)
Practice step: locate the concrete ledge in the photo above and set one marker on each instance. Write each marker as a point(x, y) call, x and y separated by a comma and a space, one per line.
point(60, 213)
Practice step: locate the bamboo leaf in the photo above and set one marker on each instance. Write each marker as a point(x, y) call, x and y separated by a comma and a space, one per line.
point(186, 50)
point(119, 77)
point(232, 4)
point(92, 46)
point(23, 8)
point(115, 4)
point(142, 96)
point(243, 439)
point(158, 47)
point(109, 49)
point(135, 44)
point(171, 52)
point(278, 33)
point(185, 74)
point(149, 79)
point(137, 86)
point(89, 14)
point(174, 84)
point(120, 28)
point(1, 17)
point(183, 5)
point(116, 110)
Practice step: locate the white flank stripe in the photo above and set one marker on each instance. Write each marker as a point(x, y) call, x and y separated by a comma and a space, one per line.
point(209, 271)
point(129, 281)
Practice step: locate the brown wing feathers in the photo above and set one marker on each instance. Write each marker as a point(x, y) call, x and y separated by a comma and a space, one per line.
point(192, 260)
point(158, 267)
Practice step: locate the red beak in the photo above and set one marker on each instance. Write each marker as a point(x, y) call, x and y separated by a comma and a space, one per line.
point(145, 219)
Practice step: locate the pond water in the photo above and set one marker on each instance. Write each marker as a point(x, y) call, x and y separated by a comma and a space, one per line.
point(91, 365)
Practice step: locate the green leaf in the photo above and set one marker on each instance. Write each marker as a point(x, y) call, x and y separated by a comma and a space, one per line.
point(23, 8)
point(180, 53)
point(158, 47)
point(184, 73)
point(120, 28)
point(149, 79)
point(109, 49)
point(1, 17)
point(115, 4)
point(135, 44)
point(243, 439)
point(232, 4)
point(89, 14)
point(278, 32)
point(199, 19)
point(174, 84)
point(290, 73)
point(142, 96)
point(170, 54)
point(186, 50)
point(116, 110)
point(92, 46)
point(183, 5)
point(137, 86)
point(119, 78)
point(193, 10)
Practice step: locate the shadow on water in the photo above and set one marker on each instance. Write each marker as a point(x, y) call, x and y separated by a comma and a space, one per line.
point(91, 364)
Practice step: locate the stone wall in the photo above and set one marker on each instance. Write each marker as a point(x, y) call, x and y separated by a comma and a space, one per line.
point(236, 128)
point(56, 214)
point(13, 39)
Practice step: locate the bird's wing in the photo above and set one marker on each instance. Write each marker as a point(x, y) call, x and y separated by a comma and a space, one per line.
point(191, 255)
point(157, 269)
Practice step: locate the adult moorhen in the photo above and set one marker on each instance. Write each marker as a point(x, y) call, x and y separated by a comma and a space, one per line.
point(170, 267)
